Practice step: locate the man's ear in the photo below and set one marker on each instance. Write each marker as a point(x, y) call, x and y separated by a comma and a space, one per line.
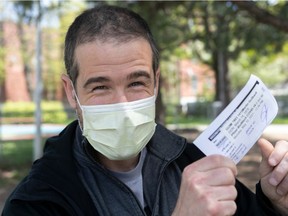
point(157, 80)
point(70, 92)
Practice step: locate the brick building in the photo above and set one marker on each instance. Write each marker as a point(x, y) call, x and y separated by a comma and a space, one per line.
point(14, 87)
point(197, 81)
point(19, 44)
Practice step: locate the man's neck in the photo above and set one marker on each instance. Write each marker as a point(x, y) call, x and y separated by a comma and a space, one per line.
point(112, 165)
point(117, 165)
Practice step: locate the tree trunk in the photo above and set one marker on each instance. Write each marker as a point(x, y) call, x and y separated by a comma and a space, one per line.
point(220, 66)
point(160, 109)
point(24, 53)
point(263, 16)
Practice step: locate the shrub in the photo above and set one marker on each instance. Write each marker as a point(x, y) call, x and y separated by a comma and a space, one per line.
point(52, 111)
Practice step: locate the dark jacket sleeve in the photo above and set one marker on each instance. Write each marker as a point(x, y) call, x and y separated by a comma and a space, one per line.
point(251, 204)
point(32, 197)
point(264, 202)
point(24, 208)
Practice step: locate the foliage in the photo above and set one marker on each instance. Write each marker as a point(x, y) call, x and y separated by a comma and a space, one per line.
point(52, 67)
point(187, 121)
point(272, 69)
point(207, 30)
point(53, 111)
point(52, 41)
point(67, 13)
point(280, 120)
point(183, 30)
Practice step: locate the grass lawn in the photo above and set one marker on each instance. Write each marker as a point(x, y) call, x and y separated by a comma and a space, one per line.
point(194, 120)
point(15, 161)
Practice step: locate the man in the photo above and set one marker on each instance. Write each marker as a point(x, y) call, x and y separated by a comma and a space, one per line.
point(115, 160)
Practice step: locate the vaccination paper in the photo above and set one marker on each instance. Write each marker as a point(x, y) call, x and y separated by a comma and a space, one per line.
point(237, 128)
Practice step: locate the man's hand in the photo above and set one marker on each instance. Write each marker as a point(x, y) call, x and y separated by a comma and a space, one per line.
point(274, 173)
point(207, 188)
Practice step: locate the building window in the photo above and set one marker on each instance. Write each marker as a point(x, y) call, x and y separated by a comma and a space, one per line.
point(194, 83)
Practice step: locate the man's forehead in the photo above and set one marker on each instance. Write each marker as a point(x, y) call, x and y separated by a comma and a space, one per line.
point(110, 53)
point(113, 42)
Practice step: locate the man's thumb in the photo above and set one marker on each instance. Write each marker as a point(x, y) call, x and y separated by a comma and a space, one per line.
point(266, 150)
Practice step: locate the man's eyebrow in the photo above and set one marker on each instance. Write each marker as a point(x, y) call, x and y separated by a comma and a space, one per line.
point(138, 74)
point(133, 75)
point(95, 80)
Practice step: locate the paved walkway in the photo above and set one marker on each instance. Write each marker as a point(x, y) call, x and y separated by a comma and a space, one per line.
point(27, 131)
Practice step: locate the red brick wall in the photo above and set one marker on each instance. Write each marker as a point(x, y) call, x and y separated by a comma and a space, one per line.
point(202, 75)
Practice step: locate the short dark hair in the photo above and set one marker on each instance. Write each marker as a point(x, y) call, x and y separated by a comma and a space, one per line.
point(103, 23)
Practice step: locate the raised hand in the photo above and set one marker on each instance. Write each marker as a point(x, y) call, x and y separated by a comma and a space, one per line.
point(207, 188)
point(274, 173)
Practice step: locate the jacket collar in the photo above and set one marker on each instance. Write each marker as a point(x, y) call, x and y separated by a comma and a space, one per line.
point(166, 144)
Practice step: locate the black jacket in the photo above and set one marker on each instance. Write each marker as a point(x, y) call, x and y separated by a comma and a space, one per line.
point(53, 186)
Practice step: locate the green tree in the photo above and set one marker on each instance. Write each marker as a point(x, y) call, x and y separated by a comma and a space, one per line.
point(50, 45)
point(216, 32)
point(263, 12)
point(226, 32)
point(268, 61)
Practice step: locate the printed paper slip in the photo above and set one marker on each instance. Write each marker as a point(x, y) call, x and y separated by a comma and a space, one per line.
point(237, 128)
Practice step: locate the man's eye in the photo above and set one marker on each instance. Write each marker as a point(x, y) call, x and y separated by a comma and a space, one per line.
point(136, 84)
point(99, 88)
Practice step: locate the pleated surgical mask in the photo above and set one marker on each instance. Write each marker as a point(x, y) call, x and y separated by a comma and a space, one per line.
point(119, 131)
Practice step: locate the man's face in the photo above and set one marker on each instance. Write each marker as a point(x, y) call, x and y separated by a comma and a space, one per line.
point(112, 73)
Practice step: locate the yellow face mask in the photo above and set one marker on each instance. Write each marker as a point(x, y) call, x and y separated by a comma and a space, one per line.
point(119, 131)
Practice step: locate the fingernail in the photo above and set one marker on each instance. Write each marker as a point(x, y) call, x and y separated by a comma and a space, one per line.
point(273, 181)
point(272, 162)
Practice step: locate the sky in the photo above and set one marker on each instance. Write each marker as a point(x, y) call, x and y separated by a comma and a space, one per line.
point(7, 12)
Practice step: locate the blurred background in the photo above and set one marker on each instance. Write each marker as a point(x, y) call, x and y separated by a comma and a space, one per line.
point(208, 51)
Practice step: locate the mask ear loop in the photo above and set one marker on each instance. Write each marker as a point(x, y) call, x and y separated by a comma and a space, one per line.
point(78, 102)
point(155, 94)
